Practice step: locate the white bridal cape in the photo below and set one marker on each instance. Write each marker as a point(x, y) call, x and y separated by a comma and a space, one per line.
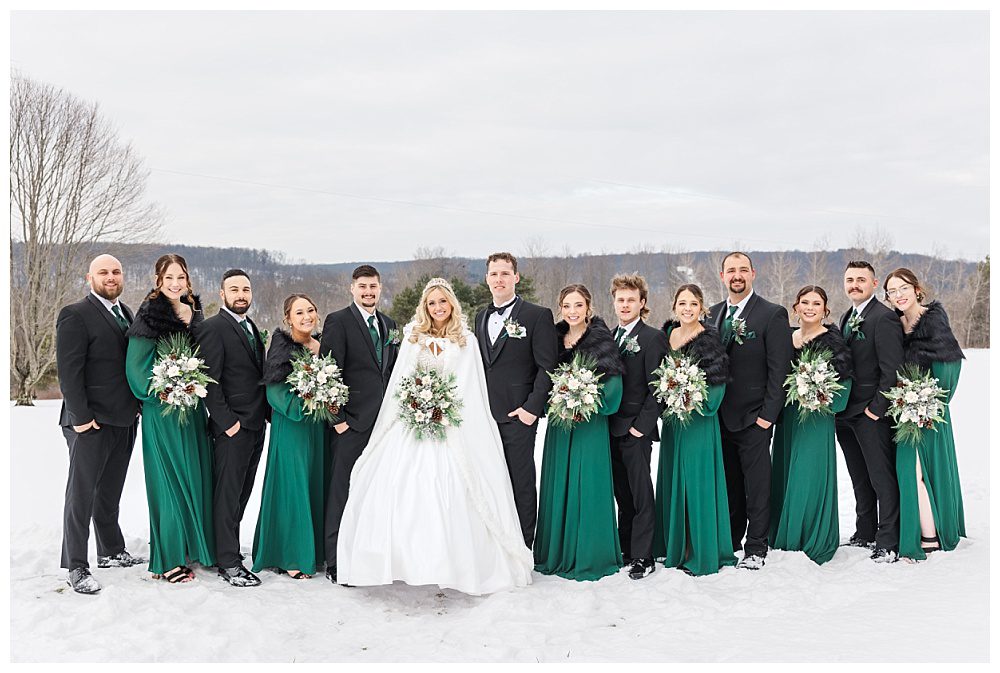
point(434, 512)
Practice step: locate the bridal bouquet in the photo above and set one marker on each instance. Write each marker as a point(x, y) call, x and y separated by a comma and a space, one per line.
point(916, 403)
point(428, 402)
point(320, 384)
point(576, 392)
point(681, 385)
point(812, 383)
point(179, 379)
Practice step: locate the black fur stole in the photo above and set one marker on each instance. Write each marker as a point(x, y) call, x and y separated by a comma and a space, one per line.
point(278, 364)
point(598, 343)
point(833, 341)
point(931, 339)
point(156, 318)
point(707, 350)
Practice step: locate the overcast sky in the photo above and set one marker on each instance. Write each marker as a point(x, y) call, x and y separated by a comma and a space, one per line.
point(336, 137)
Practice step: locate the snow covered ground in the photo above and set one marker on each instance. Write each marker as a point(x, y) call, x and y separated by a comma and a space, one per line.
point(847, 610)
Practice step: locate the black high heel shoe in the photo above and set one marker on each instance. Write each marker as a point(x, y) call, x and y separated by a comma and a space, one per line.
point(933, 541)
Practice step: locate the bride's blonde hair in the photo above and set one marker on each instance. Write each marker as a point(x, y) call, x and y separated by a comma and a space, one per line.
point(455, 328)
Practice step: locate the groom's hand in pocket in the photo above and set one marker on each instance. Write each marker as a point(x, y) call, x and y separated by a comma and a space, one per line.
point(341, 427)
point(525, 417)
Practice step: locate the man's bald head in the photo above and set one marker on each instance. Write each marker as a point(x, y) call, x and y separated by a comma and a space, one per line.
point(106, 277)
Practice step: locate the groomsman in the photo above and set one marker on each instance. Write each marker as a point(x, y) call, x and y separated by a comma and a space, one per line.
point(758, 340)
point(875, 336)
point(99, 420)
point(238, 411)
point(362, 340)
point(633, 427)
point(517, 341)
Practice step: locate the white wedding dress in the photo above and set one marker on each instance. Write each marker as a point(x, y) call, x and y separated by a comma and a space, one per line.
point(434, 512)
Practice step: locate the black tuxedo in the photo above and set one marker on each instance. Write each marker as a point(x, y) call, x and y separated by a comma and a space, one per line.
point(869, 450)
point(757, 369)
point(238, 396)
point(630, 456)
point(517, 375)
point(90, 361)
point(346, 336)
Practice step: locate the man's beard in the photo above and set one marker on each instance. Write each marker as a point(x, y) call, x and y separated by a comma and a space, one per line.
point(238, 310)
point(734, 290)
point(103, 291)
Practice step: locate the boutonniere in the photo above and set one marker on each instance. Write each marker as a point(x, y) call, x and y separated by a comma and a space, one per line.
point(854, 327)
point(514, 329)
point(740, 331)
point(631, 346)
point(264, 336)
point(393, 337)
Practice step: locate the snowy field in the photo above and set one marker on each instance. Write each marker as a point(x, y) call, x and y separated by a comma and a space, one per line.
point(847, 610)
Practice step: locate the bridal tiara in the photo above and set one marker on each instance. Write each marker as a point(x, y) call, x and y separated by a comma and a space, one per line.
point(437, 282)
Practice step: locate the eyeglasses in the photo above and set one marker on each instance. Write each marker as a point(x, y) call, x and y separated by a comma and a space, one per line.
point(897, 291)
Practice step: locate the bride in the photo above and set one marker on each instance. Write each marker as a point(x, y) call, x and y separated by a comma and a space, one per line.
point(434, 512)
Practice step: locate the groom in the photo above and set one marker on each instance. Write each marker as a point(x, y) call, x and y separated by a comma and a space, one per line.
point(517, 341)
point(362, 341)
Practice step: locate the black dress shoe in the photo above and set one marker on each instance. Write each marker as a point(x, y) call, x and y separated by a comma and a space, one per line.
point(882, 555)
point(239, 576)
point(331, 573)
point(858, 541)
point(82, 581)
point(641, 567)
point(120, 560)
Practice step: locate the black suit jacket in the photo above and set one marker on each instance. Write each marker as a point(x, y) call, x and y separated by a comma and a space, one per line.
point(346, 337)
point(758, 366)
point(90, 361)
point(639, 407)
point(877, 358)
point(517, 370)
point(239, 394)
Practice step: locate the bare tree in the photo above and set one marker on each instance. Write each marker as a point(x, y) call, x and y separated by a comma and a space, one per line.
point(73, 186)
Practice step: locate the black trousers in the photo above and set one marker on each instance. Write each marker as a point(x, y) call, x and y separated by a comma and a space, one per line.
point(345, 450)
point(98, 462)
point(746, 457)
point(870, 455)
point(633, 486)
point(234, 470)
point(519, 451)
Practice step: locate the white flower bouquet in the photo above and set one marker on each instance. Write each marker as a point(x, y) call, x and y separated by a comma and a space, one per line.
point(916, 403)
point(576, 392)
point(179, 379)
point(681, 385)
point(320, 384)
point(428, 403)
point(813, 382)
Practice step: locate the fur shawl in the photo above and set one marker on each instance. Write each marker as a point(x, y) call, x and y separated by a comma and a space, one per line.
point(708, 351)
point(833, 341)
point(156, 318)
point(278, 364)
point(931, 339)
point(597, 342)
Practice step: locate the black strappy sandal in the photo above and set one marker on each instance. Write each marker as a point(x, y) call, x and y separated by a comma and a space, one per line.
point(179, 575)
point(931, 541)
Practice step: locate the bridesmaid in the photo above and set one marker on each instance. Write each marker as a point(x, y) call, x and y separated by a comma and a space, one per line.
point(804, 513)
point(931, 516)
point(177, 457)
point(289, 534)
point(693, 532)
point(577, 536)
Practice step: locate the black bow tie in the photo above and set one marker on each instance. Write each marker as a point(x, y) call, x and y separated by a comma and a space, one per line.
point(495, 309)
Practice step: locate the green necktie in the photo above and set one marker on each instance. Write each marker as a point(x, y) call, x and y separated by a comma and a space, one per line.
point(727, 325)
point(619, 333)
point(850, 332)
point(375, 339)
point(246, 328)
point(122, 322)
